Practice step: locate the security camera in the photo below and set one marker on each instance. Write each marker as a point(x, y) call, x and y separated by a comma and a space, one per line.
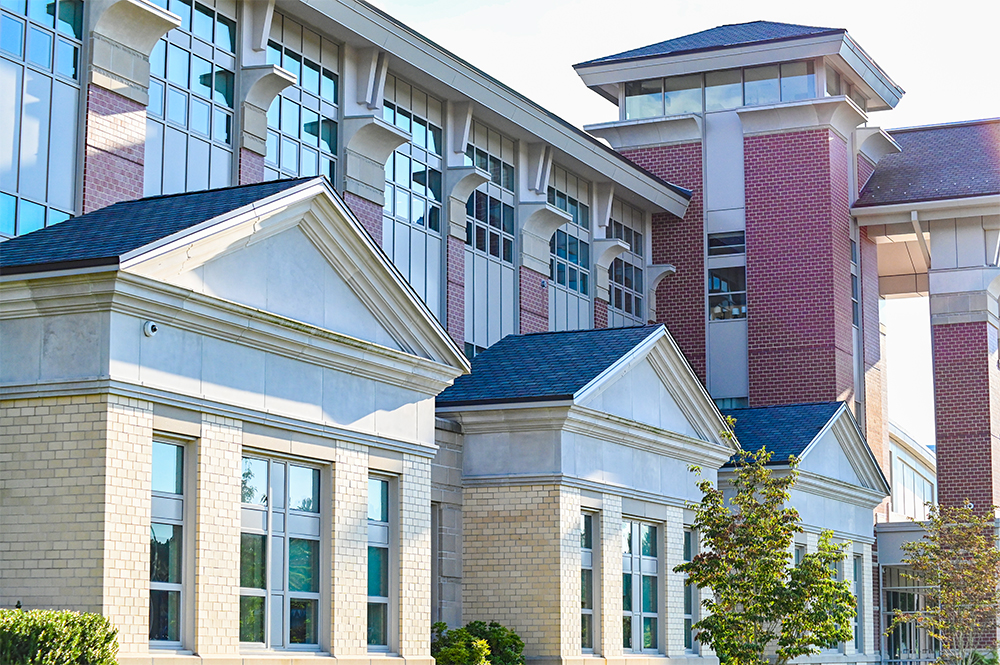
point(149, 328)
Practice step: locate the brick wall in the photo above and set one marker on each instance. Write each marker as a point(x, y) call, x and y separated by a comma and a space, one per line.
point(876, 421)
point(798, 268)
point(680, 298)
point(455, 307)
point(251, 167)
point(533, 300)
point(865, 170)
point(115, 149)
point(349, 551)
point(414, 555)
point(609, 578)
point(966, 398)
point(446, 495)
point(369, 213)
point(600, 313)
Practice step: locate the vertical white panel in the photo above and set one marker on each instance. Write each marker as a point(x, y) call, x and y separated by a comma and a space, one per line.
point(493, 316)
point(728, 374)
point(561, 322)
point(418, 263)
point(35, 123)
point(198, 156)
point(222, 168)
point(153, 172)
point(552, 308)
point(435, 276)
point(388, 226)
point(62, 154)
point(174, 161)
point(572, 312)
point(724, 161)
point(586, 312)
point(470, 292)
point(10, 121)
point(482, 300)
point(508, 302)
point(401, 249)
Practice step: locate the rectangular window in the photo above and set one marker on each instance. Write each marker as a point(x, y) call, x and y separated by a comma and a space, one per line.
point(166, 545)
point(723, 90)
point(279, 554)
point(643, 99)
point(727, 293)
point(724, 244)
point(798, 81)
point(691, 601)
point(857, 589)
point(682, 94)
point(587, 581)
point(760, 85)
point(378, 564)
point(640, 587)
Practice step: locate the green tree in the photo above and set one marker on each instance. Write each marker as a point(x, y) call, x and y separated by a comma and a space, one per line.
point(958, 564)
point(478, 643)
point(760, 600)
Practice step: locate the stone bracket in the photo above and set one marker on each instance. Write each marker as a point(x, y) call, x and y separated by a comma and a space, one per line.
point(875, 143)
point(124, 34)
point(461, 118)
point(654, 275)
point(604, 251)
point(263, 14)
point(838, 113)
point(259, 85)
point(539, 167)
point(372, 67)
point(649, 131)
point(604, 195)
point(540, 221)
point(465, 181)
point(368, 142)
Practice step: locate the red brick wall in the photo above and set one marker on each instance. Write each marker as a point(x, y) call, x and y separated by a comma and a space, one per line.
point(680, 298)
point(798, 268)
point(116, 148)
point(455, 307)
point(876, 424)
point(600, 313)
point(966, 401)
point(251, 167)
point(369, 213)
point(533, 301)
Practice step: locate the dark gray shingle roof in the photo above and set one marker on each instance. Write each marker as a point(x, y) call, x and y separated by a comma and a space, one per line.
point(542, 366)
point(724, 36)
point(937, 162)
point(99, 238)
point(784, 430)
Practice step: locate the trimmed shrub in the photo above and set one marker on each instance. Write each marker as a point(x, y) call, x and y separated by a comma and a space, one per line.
point(56, 637)
point(478, 643)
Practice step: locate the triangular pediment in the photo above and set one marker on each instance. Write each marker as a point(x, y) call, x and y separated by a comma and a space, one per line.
point(304, 256)
point(654, 385)
point(839, 452)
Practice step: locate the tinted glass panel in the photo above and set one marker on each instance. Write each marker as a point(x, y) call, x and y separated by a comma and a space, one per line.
point(760, 85)
point(798, 81)
point(251, 619)
point(723, 90)
point(303, 488)
point(721, 244)
point(254, 481)
point(648, 536)
point(168, 468)
point(252, 561)
point(643, 99)
point(682, 94)
point(164, 615)
point(378, 620)
point(165, 553)
point(378, 500)
point(303, 565)
point(302, 621)
point(378, 571)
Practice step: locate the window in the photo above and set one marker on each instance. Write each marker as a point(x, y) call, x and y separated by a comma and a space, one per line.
point(587, 581)
point(724, 244)
point(691, 599)
point(569, 253)
point(643, 99)
point(626, 285)
point(857, 588)
point(723, 90)
point(833, 85)
point(800, 554)
point(682, 94)
point(40, 70)
point(727, 293)
point(911, 490)
point(189, 120)
point(279, 554)
point(640, 587)
point(166, 545)
point(379, 533)
point(907, 642)
point(302, 120)
point(837, 573)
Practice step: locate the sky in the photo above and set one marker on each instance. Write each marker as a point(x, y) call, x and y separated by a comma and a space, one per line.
point(944, 55)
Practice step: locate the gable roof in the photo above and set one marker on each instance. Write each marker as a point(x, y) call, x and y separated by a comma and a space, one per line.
point(101, 237)
point(952, 161)
point(785, 430)
point(724, 36)
point(542, 366)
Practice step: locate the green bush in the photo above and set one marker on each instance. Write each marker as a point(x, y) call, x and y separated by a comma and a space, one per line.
point(476, 644)
point(56, 637)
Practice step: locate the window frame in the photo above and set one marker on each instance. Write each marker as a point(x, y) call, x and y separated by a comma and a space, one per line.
point(646, 564)
point(390, 543)
point(187, 513)
point(589, 563)
point(692, 595)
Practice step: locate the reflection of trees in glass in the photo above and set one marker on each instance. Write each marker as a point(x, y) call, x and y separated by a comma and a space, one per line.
point(302, 621)
point(165, 560)
point(252, 561)
point(303, 565)
point(253, 487)
point(251, 619)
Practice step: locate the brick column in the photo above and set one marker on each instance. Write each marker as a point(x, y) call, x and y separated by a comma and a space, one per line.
point(455, 307)
point(608, 643)
point(672, 542)
point(533, 301)
point(217, 537)
point(369, 213)
point(251, 167)
point(349, 552)
point(600, 313)
point(414, 559)
point(115, 149)
point(875, 381)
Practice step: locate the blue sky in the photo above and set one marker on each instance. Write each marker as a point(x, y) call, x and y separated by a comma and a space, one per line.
point(943, 55)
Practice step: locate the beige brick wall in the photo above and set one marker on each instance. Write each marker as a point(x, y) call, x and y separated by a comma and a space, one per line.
point(672, 539)
point(217, 540)
point(414, 557)
point(349, 551)
point(127, 509)
point(570, 587)
point(446, 495)
point(609, 642)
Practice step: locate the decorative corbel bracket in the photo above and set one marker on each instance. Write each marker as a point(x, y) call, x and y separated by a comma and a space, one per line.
point(259, 85)
point(540, 221)
point(539, 167)
point(124, 34)
point(262, 14)
point(461, 117)
point(372, 67)
point(875, 143)
point(604, 252)
point(465, 180)
point(368, 142)
point(654, 275)
point(604, 194)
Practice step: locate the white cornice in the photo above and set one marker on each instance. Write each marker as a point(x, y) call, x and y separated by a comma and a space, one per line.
point(840, 114)
point(519, 480)
point(629, 134)
point(900, 213)
point(188, 402)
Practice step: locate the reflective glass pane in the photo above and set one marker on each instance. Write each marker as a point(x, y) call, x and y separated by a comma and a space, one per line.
point(289, 117)
point(587, 589)
point(303, 565)
point(833, 88)
point(402, 170)
point(587, 631)
point(164, 615)
point(378, 571)
point(31, 217)
point(254, 481)
point(798, 81)
point(70, 20)
point(378, 620)
point(434, 139)
point(223, 127)
point(310, 77)
point(165, 553)
point(682, 94)
point(223, 87)
point(293, 63)
point(289, 155)
point(587, 531)
point(225, 33)
point(42, 11)
point(302, 621)
point(176, 106)
point(419, 133)
point(177, 65)
point(158, 59)
point(273, 54)
point(760, 85)
point(40, 48)
point(183, 9)
point(723, 90)
point(626, 537)
point(720, 244)
point(168, 468)
point(303, 488)
point(204, 19)
point(66, 59)
point(378, 500)
point(328, 87)
point(648, 632)
point(627, 592)
point(725, 280)
point(200, 116)
point(251, 619)
point(8, 213)
point(643, 99)
point(252, 561)
point(647, 535)
point(11, 35)
point(730, 306)
point(328, 135)
point(627, 632)
point(434, 184)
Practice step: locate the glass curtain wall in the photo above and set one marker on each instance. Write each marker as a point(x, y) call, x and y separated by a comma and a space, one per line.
point(570, 301)
point(190, 130)
point(39, 107)
point(626, 279)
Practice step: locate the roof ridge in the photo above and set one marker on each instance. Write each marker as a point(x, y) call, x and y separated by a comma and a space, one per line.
point(211, 189)
point(584, 330)
point(945, 125)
